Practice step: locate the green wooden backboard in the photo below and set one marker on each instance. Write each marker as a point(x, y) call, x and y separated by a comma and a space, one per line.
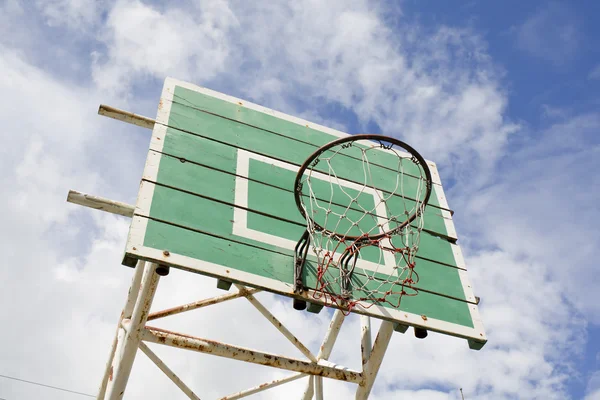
point(217, 198)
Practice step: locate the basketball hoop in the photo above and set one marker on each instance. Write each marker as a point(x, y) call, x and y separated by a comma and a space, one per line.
point(361, 224)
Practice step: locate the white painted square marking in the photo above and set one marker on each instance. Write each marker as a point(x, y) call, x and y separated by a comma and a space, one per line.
point(240, 215)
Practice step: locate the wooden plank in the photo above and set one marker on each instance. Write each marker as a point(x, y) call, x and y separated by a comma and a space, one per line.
point(279, 147)
point(201, 180)
point(307, 133)
point(431, 247)
point(217, 155)
point(213, 218)
point(272, 266)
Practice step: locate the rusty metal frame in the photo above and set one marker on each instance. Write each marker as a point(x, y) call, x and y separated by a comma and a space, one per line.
point(133, 331)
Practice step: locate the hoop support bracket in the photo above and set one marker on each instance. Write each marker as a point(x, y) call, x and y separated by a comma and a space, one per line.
point(347, 265)
point(300, 253)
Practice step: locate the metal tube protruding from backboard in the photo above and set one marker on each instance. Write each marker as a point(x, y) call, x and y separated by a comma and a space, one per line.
point(100, 203)
point(126, 116)
point(164, 337)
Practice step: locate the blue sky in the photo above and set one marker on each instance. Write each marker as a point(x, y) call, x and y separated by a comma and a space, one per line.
point(503, 96)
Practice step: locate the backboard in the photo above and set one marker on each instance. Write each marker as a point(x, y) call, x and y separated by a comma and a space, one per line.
point(217, 198)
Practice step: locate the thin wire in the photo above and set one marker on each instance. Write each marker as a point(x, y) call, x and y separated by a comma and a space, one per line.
point(48, 386)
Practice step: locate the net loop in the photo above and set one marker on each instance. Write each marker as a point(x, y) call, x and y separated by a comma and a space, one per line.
point(363, 198)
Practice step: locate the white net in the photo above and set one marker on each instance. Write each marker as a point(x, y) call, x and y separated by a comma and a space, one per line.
point(364, 206)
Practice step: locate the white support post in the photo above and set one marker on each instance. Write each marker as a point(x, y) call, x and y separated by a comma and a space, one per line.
point(326, 347)
point(318, 387)
point(168, 372)
point(262, 387)
point(277, 324)
point(127, 347)
point(310, 388)
point(372, 367)
point(365, 339)
point(126, 313)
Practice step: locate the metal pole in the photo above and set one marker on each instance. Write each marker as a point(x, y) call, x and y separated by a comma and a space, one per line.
point(326, 347)
point(318, 387)
point(329, 370)
point(365, 339)
point(126, 116)
point(202, 303)
point(125, 357)
point(127, 310)
point(168, 372)
point(331, 336)
point(262, 387)
point(310, 389)
point(280, 327)
point(100, 203)
point(372, 367)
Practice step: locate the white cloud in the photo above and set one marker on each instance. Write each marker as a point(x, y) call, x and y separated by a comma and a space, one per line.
point(143, 42)
point(440, 91)
point(49, 129)
point(593, 396)
point(595, 72)
point(551, 33)
point(545, 209)
point(593, 387)
point(81, 15)
point(12, 11)
point(552, 112)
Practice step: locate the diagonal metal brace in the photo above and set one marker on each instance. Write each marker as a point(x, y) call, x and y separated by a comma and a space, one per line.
point(278, 324)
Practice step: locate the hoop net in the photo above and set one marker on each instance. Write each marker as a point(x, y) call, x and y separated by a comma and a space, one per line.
point(364, 224)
